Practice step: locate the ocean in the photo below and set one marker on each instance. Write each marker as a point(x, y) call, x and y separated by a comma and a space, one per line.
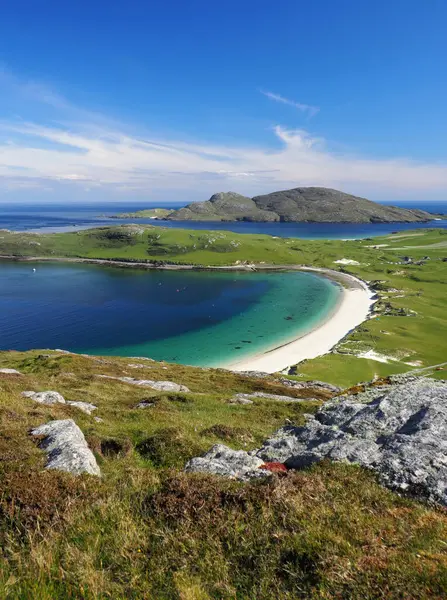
point(69, 217)
point(205, 319)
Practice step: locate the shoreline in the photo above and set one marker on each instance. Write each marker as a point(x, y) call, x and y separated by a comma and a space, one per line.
point(353, 309)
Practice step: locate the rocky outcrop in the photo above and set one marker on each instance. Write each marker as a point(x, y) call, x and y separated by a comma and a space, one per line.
point(66, 447)
point(51, 397)
point(306, 204)
point(10, 372)
point(222, 460)
point(161, 386)
point(242, 398)
point(304, 385)
point(86, 407)
point(224, 206)
point(397, 430)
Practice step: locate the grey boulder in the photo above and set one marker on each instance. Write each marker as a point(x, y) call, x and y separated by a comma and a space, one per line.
point(243, 398)
point(221, 460)
point(66, 448)
point(300, 385)
point(161, 386)
point(56, 398)
point(45, 397)
point(397, 430)
point(10, 372)
point(86, 407)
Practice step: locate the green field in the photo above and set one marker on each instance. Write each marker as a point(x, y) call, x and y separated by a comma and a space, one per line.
point(407, 271)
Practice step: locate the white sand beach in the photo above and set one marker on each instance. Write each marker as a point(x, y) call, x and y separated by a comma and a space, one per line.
point(353, 308)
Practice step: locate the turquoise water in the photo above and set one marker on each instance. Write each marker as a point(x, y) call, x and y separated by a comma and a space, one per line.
point(196, 318)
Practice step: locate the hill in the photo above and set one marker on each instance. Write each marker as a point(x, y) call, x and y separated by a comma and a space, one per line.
point(311, 204)
point(147, 529)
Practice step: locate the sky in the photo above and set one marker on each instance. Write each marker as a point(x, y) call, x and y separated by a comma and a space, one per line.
point(174, 101)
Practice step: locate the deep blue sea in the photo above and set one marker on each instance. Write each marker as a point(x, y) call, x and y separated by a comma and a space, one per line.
point(206, 319)
point(67, 217)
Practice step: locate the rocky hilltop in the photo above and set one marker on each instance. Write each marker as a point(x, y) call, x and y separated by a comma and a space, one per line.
point(307, 204)
point(107, 488)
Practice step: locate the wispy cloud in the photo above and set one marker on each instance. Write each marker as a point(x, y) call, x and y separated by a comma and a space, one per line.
point(81, 153)
point(305, 108)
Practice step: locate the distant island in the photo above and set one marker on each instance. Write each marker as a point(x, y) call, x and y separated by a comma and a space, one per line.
point(304, 204)
point(148, 213)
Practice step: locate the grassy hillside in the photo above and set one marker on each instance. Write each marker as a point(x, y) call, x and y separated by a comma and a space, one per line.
point(407, 270)
point(147, 530)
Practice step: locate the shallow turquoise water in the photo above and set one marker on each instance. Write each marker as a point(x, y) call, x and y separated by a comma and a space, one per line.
point(196, 318)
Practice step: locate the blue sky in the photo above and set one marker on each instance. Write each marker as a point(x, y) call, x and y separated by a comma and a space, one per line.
point(177, 100)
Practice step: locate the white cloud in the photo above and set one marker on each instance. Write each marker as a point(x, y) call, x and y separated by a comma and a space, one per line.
point(84, 152)
point(307, 108)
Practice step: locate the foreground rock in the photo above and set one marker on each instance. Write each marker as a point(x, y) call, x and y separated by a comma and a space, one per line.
point(67, 448)
point(10, 372)
point(398, 430)
point(248, 398)
point(161, 386)
point(51, 397)
point(221, 460)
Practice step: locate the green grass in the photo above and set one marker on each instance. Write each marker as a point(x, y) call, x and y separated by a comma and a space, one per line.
point(421, 288)
point(147, 530)
point(147, 213)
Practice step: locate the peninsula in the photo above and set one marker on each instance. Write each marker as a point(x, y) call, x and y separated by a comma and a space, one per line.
point(303, 204)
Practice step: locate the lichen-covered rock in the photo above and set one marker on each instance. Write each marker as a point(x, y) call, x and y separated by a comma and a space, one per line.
point(10, 372)
point(240, 399)
point(397, 430)
point(222, 460)
point(161, 386)
point(49, 397)
point(84, 406)
point(300, 385)
point(67, 448)
point(248, 398)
